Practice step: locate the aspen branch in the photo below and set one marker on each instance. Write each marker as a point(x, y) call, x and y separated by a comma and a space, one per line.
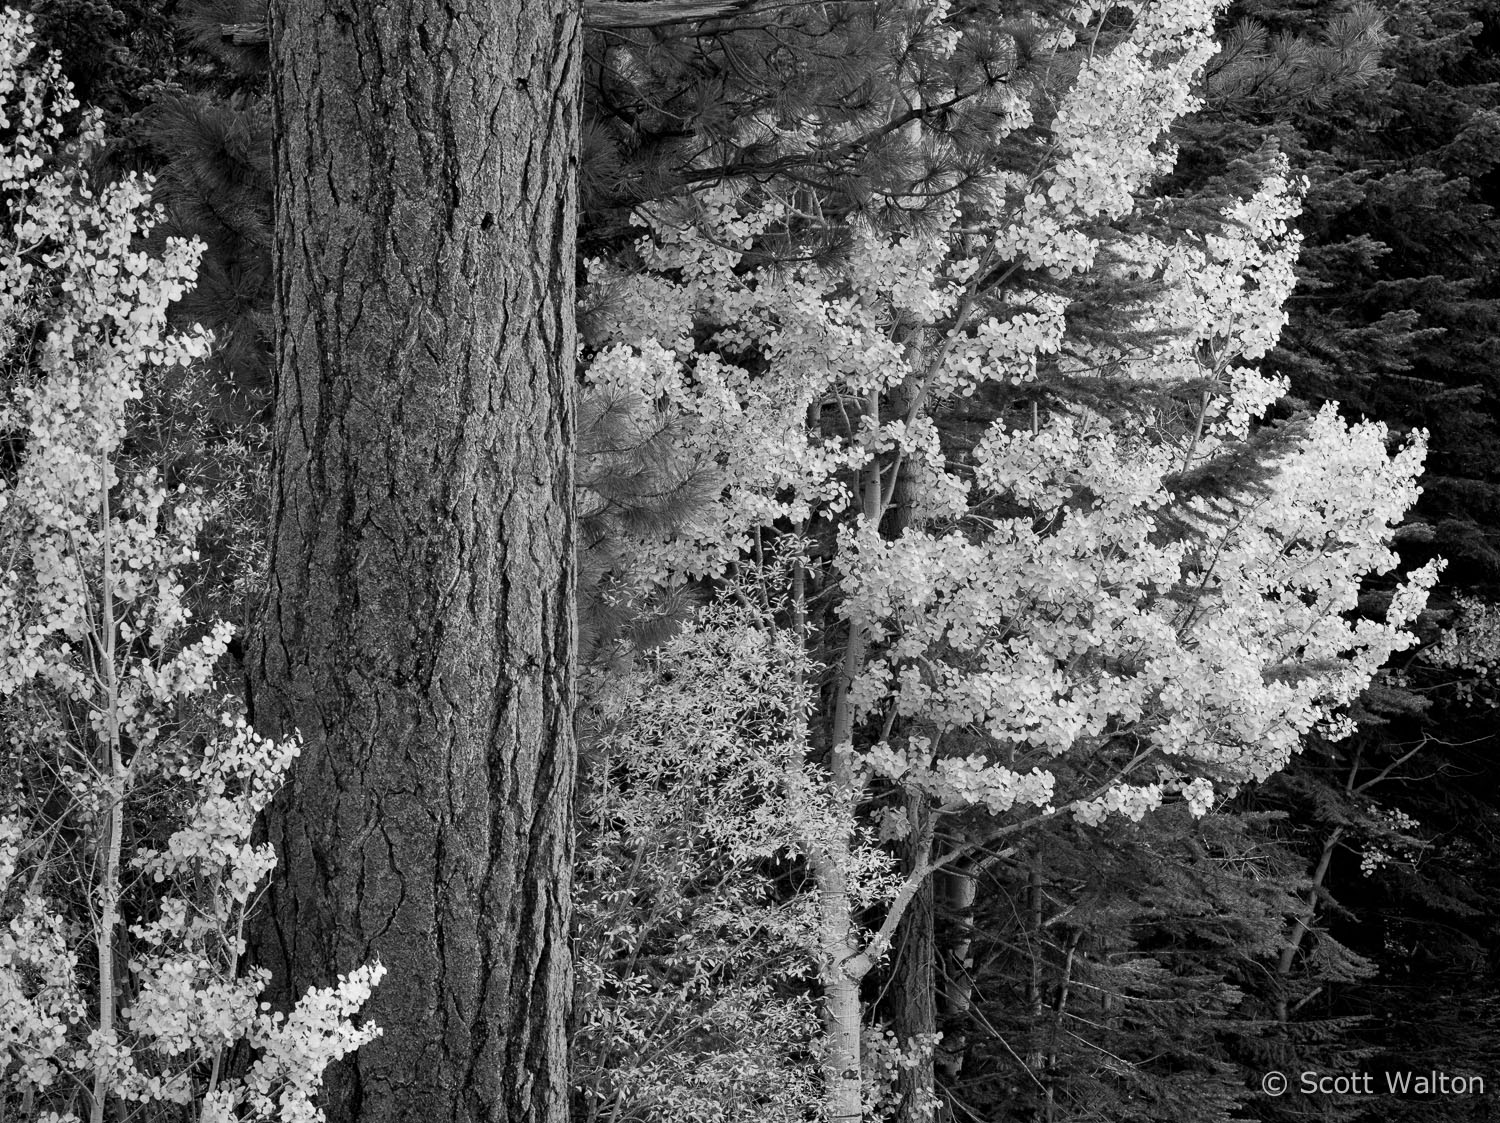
point(1391, 767)
point(858, 964)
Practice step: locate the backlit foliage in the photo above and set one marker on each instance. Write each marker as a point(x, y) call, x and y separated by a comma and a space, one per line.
point(126, 867)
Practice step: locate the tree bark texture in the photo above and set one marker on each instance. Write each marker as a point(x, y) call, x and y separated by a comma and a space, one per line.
point(914, 989)
point(955, 890)
point(419, 627)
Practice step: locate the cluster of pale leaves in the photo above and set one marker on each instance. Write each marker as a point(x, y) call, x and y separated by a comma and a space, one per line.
point(125, 825)
point(1106, 132)
point(1470, 646)
point(691, 967)
point(1075, 622)
point(1392, 838)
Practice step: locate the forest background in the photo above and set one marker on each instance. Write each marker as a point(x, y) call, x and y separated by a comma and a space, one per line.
point(1337, 917)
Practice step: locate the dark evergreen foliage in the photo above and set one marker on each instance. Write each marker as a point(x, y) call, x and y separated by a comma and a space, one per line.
point(1396, 316)
point(215, 183)
point(1122, 975)
point(115, 52)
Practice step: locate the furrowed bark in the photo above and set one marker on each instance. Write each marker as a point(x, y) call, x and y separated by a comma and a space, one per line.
point(418, 629)
point(915, 974)
point(954, 889)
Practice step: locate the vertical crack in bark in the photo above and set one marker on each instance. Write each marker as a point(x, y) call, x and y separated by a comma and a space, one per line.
point(418, 628)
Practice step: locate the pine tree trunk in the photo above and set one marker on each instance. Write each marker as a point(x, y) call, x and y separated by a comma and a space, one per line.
point(419, 626)
point(954, 892)
point(915, 984)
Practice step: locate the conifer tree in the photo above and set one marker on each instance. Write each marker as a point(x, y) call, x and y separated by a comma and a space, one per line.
point(419, 627)
point(1393, 316)
point(1118, 976)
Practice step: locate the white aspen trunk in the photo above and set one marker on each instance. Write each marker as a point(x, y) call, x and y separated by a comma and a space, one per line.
point(109, 919)
point(841, 964)
point(837, 944)
point(112, 836)
point(842, 1061)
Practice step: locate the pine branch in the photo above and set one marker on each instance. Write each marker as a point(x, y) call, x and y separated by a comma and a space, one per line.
point(605, 15)
point(598, 15)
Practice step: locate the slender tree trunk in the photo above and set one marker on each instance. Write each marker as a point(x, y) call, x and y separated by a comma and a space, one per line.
point(954, 892)
point(111, 838)
point(842, 969)
point(1035, 1000)
point(419, 627)
point(1303, 925)
point(842, 1009)
point(843, 963)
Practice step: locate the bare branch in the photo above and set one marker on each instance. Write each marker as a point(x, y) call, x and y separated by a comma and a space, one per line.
point(598, 15)
point(608, 15)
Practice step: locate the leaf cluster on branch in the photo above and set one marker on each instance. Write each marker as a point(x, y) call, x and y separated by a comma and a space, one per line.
point(126, 866)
